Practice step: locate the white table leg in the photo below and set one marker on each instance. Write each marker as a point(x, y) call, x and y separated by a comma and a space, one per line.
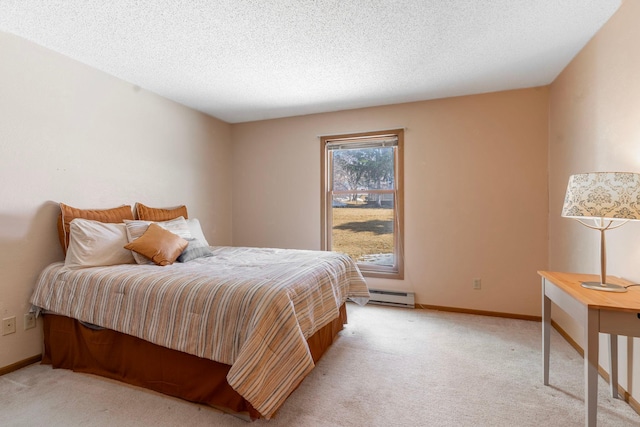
point(591, 367)
point(546, 329)
point(613, 365)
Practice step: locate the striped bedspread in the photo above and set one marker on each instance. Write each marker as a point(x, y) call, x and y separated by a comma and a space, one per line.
point(249, 308)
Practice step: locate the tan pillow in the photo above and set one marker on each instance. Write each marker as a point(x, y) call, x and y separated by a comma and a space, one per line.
point(159, 245)
point(160, 214)
point(68, 214)
point(136, 228)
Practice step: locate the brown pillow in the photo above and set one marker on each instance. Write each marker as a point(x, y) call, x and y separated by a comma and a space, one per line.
point(159, 245)
point(160, 214)
point(68, 214)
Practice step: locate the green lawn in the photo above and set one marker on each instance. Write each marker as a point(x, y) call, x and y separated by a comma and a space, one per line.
point(361, 231)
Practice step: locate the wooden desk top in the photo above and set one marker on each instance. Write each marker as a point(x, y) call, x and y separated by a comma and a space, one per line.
point(570, 283)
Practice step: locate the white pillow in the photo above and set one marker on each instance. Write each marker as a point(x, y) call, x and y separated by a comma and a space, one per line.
point(196, 230)
point(95, 243)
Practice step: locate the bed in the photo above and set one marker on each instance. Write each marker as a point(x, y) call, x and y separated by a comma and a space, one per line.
point(237, 328)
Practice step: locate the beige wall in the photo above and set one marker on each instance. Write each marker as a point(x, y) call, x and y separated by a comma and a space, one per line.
point(72, 134)
point(475, 191)
point(595, 126)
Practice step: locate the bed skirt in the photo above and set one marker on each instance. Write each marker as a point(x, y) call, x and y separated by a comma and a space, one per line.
point(70, 345)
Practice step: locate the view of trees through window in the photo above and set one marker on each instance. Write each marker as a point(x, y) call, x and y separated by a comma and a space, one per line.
point(362, 199)
point(363, 204)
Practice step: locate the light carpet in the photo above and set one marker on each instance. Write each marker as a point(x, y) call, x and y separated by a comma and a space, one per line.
point(389, 367)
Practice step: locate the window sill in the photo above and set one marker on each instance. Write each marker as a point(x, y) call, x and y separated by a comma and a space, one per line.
point(395, 275)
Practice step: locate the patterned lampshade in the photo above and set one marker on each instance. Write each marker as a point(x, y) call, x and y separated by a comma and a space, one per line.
point(611, 195)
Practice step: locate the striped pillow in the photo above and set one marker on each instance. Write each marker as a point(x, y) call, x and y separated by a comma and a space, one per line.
point(147, 213)
point(136, 228)
point(196, 249)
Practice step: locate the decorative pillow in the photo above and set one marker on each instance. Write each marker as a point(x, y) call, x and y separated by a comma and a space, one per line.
point(68, 214)
point(136, 228)
point(146, 213)
point(196, 249)
point(94, 244)
point(196, 230)
point(159, 245)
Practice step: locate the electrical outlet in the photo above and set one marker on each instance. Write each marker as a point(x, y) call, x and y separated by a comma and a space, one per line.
point(29, 321)
point(477, 284)
point(9, 325)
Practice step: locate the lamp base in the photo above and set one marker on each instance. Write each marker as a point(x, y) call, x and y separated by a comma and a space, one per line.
point(597, 286)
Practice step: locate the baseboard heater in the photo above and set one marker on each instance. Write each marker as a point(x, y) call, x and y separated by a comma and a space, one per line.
point(396, 299)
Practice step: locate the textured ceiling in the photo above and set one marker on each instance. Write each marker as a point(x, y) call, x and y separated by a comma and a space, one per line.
point(245, 60)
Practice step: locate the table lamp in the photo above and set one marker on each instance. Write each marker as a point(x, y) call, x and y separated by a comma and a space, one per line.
point(609, 199)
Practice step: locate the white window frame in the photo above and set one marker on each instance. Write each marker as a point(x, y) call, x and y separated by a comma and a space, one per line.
point(365, 139)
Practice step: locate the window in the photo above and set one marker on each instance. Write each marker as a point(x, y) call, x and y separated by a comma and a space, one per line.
point(362, 200)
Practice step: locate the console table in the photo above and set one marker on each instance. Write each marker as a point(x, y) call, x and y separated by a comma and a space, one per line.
point(597, 311)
